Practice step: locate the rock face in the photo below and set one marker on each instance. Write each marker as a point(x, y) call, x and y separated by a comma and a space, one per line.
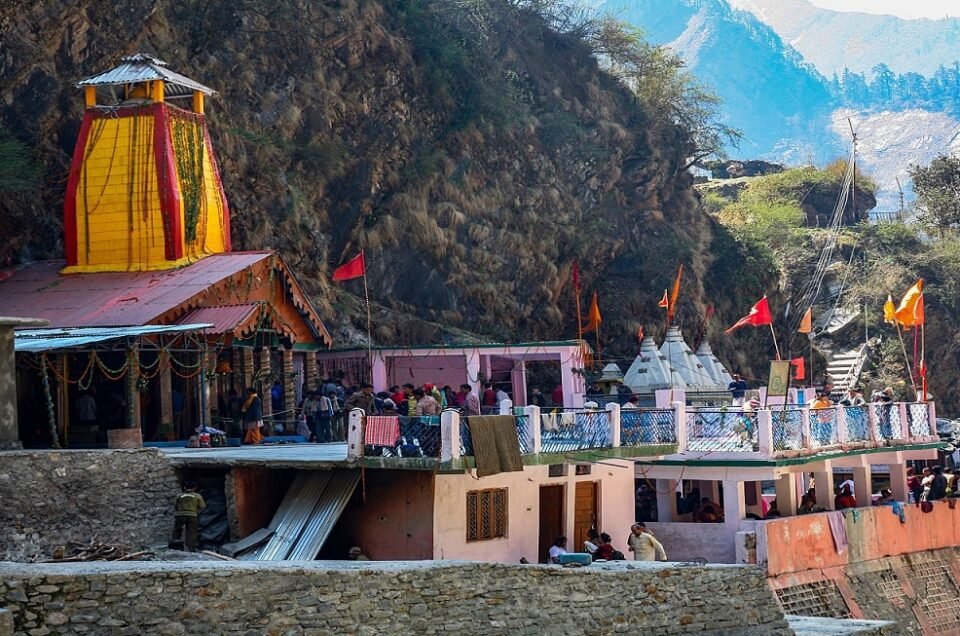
point(389, 598)
point(473, 157)
point(50, 498)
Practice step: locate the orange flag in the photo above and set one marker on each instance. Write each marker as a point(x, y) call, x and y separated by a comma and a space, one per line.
point(910, 312)
point(889, 311)
point(593, 319)
point(674, 295)
point(806, 323)
point(665, 301)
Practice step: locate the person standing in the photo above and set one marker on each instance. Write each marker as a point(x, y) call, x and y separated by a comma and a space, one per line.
point(186, 515)
point(471, 403)
point(311, 407)
point(537, 398)
point(426, 404)
point(738, 389)
point(938, 485)
point(489, 399)
point(362, 399)
point(501, 396)
point(644, 545)
point(252, 417)
point(409, 400)
point(557, 396)
point(844, 500)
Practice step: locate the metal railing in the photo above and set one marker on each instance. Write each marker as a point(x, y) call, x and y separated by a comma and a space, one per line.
point(574, 429)
point(888, 421)
point(641, 427)
point(823, 428)
point(918, 417)
point(411, 437)
point(787, 429)
point(858, 423)
point(722, 430)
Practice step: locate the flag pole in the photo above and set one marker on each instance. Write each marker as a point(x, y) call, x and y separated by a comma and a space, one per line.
point(906, 359)
point(775, 345)
point(923, 361)
point(366, 300)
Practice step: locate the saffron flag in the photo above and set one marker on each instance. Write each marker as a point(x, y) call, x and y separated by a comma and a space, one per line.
point(910, 311)
point(889, 311)
point(354, 268)
point(593, 319)
point(640, 333)
point(806, 325)
point(665, 301)
point(799, 368)
point(759, 315)
point(674, 295)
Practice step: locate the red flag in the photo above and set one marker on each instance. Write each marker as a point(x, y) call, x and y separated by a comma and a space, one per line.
point(640, 333)
point(759, 315)
point(575, 275)
point(354, 268)
point(710, 311)
point(922, 369)
point(665, 301)
point(799, 368)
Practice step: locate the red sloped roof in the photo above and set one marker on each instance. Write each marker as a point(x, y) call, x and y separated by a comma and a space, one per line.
point(116, 299)
point(238, 320)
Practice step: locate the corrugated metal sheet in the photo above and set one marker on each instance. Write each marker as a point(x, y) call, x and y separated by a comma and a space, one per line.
point(294, 512)
point(326, 514)
point(113, 299)
point(52, 339)
point(235, 319)
point(143, 68)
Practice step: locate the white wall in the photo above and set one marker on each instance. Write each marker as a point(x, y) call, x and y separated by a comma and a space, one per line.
point(615, 507)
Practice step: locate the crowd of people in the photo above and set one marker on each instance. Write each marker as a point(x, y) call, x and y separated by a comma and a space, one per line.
point(599, 545)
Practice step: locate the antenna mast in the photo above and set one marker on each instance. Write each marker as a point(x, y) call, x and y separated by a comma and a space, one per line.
point(900, 215)
point(853, 183)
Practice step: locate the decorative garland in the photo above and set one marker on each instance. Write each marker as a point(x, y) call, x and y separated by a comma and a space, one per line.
point(188, 150)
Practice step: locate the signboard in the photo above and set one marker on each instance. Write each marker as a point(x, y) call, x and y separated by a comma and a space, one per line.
point(779, 382)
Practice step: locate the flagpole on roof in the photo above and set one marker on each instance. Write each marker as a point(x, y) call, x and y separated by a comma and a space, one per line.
point(775, 345)
point(366, 300)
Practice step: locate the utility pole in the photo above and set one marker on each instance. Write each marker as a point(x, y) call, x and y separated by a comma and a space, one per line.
point(853, 183)
point(900, 215)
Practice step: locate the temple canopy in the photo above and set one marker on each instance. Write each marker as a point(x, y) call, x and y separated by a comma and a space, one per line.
point(139, 68)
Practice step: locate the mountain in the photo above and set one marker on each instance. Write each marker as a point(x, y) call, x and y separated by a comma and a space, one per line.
point(474, 155)
point(780, 103)
point(834, 40)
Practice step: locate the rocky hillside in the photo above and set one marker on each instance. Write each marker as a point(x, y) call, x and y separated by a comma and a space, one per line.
point(474, 155)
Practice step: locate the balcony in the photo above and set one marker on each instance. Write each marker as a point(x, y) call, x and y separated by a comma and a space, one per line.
point(556, 435)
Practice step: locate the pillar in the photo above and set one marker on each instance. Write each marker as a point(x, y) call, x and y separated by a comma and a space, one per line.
point(534, 428)
point(765, 432)
point(355, 434)
point(898, 482)
point(787, 501)
point(266, 382)
point(89, 96)
point(207, 378)
point(666, 500)
point(197, 102)
point(289, 388)
point(567, 382)
point(863, 485)
point(247, 371)
point(63, 397)
point(310, 372)
point(133, 395)
point(156, 90)
point(824, 484)
point(449, 435)
point(734, 503)
point(680, 425)
point(518, 381)
point(613, 418)
point(166, 394)
point(9, 431)
point(473, 370)
point(378, 372)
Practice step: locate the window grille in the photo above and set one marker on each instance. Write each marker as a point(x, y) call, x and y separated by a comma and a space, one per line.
point(486, 514)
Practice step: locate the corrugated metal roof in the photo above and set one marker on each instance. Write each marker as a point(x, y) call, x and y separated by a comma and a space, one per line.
point(36, 340)
point(239, 320)
point(293, 514)
point(325, 515)
point(144, 68)
point(120, 299)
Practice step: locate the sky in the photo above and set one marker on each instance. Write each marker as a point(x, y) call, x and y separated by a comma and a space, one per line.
point(901, 8)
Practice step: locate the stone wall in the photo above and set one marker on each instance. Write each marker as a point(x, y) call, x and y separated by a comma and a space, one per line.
point(52, 497)
point(391, 598)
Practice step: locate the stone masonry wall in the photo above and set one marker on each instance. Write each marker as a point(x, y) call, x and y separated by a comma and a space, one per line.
point(387, 598)
point(51, 497)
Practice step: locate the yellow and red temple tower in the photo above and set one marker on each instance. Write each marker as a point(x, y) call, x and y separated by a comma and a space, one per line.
point(144, 191)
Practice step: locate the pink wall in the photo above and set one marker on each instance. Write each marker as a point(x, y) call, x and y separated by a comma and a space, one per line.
point(616, 510)
point(418, 370)
point(394, 521)
point(795, 544)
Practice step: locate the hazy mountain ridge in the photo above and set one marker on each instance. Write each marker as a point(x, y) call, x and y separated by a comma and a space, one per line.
point(834, 40)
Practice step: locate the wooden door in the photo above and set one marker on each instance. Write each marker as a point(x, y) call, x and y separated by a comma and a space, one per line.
point(584, 514)
point(551, 518)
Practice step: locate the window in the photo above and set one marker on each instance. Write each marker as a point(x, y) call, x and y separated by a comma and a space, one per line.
point(557, 470)
point(584, 469)
point(486, 514)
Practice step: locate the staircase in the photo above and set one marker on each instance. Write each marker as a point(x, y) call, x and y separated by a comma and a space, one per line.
point(845, 367)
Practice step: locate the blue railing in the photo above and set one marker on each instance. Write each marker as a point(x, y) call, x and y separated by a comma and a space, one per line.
point(858, 423)
point(787, 429)
point(647, 426)
point(722, 430)
point(918, 415)
point(823, 428)
point(572, 430)
point(888, 421)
